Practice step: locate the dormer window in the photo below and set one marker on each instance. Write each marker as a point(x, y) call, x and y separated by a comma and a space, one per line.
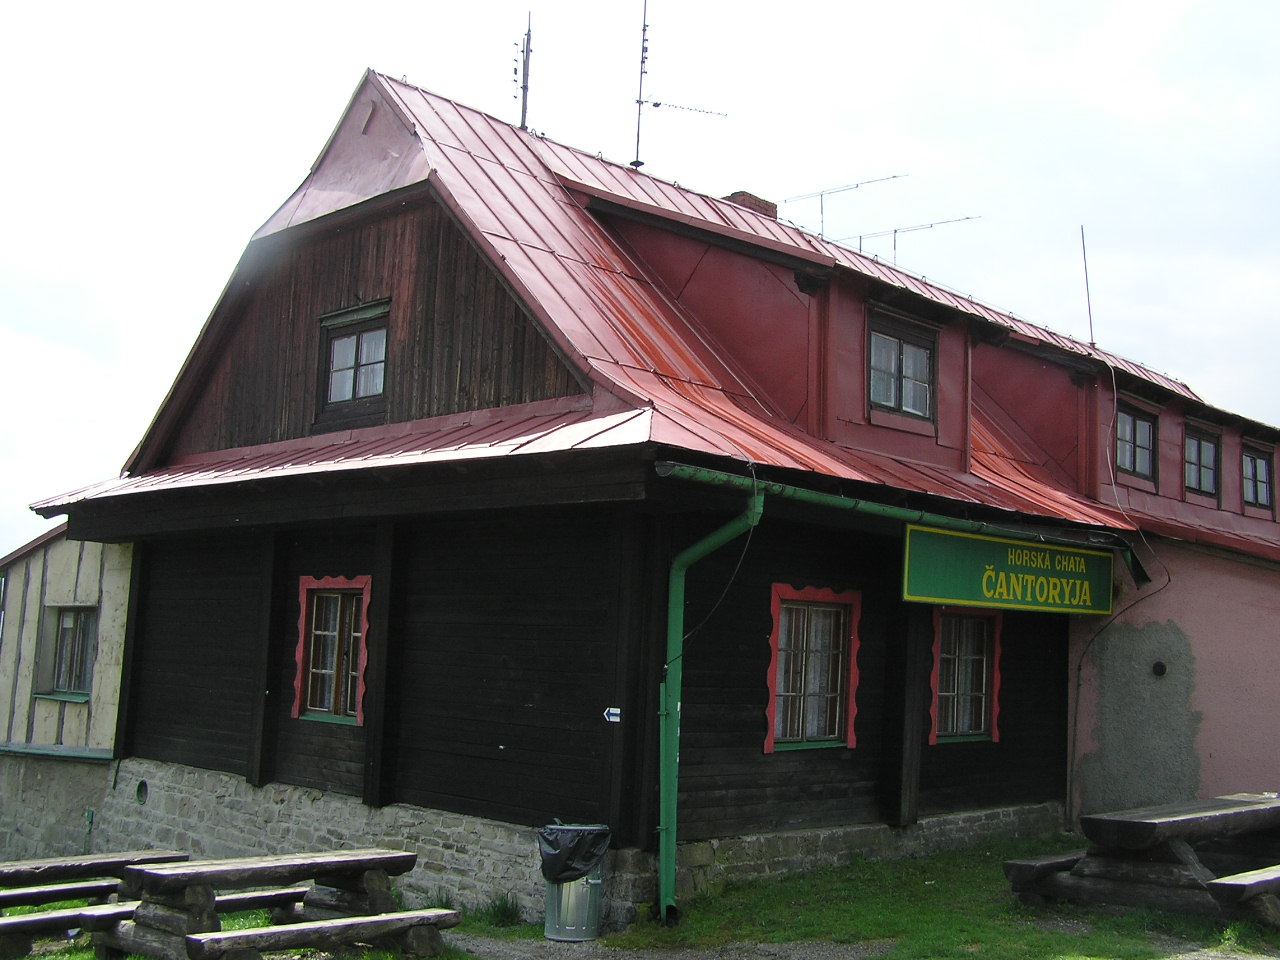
point(1256, 479)
point(353, 366)
point(901, 371)
point(1201, 462)
point(357, 365)
point(1136, 443)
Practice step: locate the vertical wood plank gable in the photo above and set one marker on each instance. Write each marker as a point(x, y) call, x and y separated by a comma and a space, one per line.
point(457, 339)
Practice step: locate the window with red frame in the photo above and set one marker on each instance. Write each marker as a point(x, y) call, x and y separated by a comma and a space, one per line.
point(332, 628)
point(813, 674)
point(966, 676)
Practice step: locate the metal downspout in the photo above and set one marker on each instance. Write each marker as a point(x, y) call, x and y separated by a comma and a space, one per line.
point(670, 693)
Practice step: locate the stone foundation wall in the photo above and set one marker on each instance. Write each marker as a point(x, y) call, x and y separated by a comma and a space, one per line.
point(468, 861)
point(49, 805)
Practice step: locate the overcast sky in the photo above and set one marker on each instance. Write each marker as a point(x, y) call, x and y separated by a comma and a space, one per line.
point(145, 142)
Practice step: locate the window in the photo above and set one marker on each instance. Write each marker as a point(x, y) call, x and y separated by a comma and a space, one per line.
point(1257, 479)
point(1201, 462)
point(329, 683)
point(1136, 444)
point(353, 375)
point(814, 671)
point(74, 632)
point(966, 679)
point(901, 372)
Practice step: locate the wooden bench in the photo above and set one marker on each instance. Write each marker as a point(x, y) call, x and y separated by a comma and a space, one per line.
point(414, 932)
point(25, 873)
point(178, 899)
point(17, 934)
point(91, 876)
point(93, 890)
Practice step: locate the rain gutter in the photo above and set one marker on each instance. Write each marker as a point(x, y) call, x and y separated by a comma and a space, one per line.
point(671, 688)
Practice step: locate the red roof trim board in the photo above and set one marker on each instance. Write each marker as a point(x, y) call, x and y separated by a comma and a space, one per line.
point(656, 380)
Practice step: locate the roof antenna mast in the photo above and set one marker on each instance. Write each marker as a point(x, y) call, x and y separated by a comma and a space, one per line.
point(522, 73)
point(644, 59)
point(1088, 300)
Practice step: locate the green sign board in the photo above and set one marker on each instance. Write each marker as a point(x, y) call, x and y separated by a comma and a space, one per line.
point(973, 570)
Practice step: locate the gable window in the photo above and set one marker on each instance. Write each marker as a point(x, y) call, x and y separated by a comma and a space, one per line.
point(901, 371)
point(1256, 477)
point(813, 673)
point(75, 629)
point(353, 366)
point(357, 364)
point(329, 682)
point(1136, 444)
point(1201, 462)
point(966, 676)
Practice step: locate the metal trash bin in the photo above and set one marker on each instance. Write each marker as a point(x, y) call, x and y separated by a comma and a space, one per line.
point(573, 866)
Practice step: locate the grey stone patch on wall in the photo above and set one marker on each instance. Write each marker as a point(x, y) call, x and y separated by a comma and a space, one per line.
point(466, 861)
point(50, 805)
point(1145, 725)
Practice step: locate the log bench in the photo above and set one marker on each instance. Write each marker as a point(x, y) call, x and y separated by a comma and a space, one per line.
point(1171, 857)
point(413, 932)
point(25, 873)
point(17, 934)
point(92, 890)
point(91, 876)
point(180, 899)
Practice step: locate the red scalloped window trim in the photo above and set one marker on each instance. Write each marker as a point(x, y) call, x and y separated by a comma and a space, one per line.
point(305, 586)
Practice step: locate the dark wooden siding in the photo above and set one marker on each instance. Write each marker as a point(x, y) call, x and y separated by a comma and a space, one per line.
point(311, 753)
point(1029, 762)
point(506, 656)
point(192, 685)
point(457, 339)
point(728, 784)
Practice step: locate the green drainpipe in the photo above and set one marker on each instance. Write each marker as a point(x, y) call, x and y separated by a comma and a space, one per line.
point(670, 691)
point(670, 695)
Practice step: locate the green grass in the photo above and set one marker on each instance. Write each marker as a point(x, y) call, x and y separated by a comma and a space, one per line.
point(932, 908)
point(947, 905)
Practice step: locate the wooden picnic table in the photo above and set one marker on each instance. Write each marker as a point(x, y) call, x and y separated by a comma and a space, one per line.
point(176, 917)
point(90, 876)
point(1217, 857)
point(1192, 820)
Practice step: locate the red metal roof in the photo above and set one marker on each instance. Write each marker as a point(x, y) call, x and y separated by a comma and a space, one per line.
point(657, 380)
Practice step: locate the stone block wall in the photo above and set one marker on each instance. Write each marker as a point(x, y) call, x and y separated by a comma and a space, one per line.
point(465, 861)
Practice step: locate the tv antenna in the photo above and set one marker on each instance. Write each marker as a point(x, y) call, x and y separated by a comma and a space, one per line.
point(897, 230)
point(521, 72)
point(1087, 298)
point(822, 197)
point(641, 102)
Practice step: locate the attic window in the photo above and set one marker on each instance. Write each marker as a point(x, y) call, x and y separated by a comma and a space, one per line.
point(901, 370)
point(353, 365)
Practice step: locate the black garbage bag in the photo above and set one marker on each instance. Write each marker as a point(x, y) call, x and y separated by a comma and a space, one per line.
point(571, 850)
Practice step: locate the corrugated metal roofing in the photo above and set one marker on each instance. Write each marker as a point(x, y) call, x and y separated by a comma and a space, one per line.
point(515, 194)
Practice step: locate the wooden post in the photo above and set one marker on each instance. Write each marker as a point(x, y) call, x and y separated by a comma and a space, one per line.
point(378, 649)
point(914, 665)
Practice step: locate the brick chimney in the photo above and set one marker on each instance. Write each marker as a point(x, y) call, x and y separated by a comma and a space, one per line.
point(752, 202)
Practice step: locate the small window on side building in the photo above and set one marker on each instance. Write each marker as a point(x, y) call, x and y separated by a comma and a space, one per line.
point(354, 366)
point(75, 634)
